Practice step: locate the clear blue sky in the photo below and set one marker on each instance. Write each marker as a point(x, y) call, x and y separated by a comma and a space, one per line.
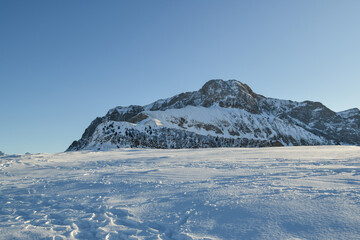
point(63, 63)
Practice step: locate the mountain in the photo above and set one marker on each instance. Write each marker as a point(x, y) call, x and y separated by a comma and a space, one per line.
point(221, 114)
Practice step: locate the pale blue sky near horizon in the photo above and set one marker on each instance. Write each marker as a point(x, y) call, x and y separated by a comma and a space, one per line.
point(63, 63)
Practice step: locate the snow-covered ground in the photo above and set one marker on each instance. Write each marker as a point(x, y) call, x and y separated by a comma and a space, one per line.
point(266, 193)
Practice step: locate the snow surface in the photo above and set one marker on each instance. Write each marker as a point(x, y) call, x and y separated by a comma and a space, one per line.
point(226, 193)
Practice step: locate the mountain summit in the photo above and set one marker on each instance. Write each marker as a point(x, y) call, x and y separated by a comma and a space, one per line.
point(221, 114)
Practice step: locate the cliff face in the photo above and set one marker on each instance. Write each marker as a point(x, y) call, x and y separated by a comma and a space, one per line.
point(221, 114)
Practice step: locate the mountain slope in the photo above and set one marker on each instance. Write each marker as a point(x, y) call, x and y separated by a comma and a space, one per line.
point(221, 114)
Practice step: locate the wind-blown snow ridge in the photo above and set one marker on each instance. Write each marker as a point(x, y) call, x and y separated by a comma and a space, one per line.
point(221, 114)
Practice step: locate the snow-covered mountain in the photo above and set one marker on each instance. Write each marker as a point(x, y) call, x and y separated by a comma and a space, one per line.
point(221, 114)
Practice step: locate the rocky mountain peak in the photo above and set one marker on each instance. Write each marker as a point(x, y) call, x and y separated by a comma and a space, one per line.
point(221, 114)
point(221, 89)
point(229, 94)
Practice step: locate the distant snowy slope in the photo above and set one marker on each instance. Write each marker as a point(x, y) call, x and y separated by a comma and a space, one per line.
point(223, 193)
point(221, 114)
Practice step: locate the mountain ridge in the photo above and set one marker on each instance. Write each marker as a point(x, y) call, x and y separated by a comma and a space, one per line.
point(232, 115)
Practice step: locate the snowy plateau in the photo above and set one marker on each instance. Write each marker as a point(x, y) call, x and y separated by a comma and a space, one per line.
point(221, 114)
point(303, 192)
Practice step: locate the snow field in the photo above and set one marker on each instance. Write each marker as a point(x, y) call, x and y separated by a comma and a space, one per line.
point(229, 119)
point(226, 193)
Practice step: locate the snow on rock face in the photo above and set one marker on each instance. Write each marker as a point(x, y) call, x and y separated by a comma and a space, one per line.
point(232, 193)
point(354, 112)
point(222, 114)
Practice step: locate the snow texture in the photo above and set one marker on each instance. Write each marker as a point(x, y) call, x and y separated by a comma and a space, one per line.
point(223, 193)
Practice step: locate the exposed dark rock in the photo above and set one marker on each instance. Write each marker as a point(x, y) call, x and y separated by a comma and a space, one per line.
point(208, 127)
point(276, 143)
point(138, 118)
point(85, 138)
point(123, 113)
